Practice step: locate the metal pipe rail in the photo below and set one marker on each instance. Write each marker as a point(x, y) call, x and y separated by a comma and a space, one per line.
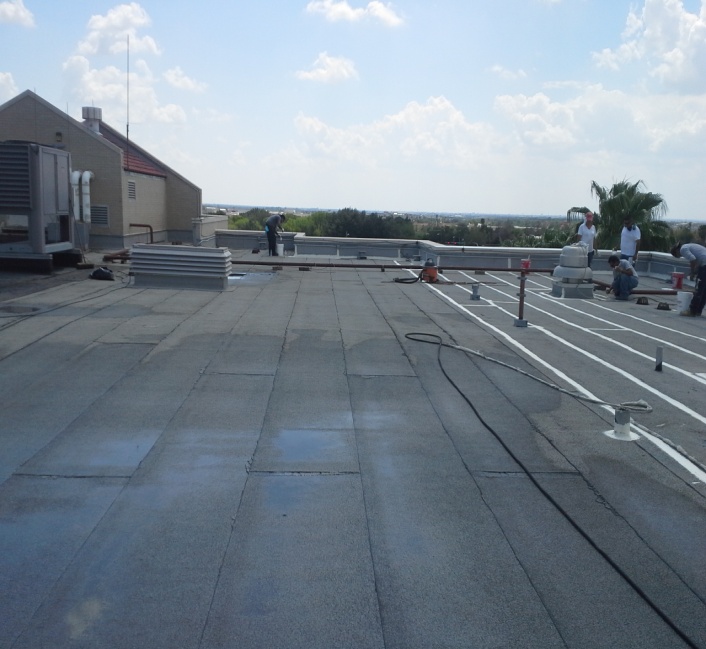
point(381, 266)
point(639, 291)
point(150, 229)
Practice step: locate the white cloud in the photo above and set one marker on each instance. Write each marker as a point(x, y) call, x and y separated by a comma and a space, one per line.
point(175, 77)
point(109, 34)
point(335, 11)
point(429, 155)
point(509, 75)
point(596, 119)
point(613, 59)
point(14, 11)
point(212, 116)
point(8, 88)
point(672, 124)
point(384, 13)
point(329, 69)
point(434, 131)
point(107, 88)
point(539, 120)
point(166, 113)
point(669, 39)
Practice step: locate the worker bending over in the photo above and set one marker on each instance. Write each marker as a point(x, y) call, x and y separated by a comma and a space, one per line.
point(430, 273)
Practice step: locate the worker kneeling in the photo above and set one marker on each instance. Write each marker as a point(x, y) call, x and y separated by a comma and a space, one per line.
point(624, 277)
point(430, 273)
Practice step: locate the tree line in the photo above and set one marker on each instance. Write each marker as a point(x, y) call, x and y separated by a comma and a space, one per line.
point(347, 222)
point(615, 204)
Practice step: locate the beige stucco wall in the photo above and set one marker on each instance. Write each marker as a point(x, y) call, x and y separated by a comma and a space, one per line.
point(149, 207)
point(106, 166)
point(168, 204)
point(30, 119)
point(33, 121)
point(183, 203)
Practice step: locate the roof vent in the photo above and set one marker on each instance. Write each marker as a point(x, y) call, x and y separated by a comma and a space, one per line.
point(92, 117)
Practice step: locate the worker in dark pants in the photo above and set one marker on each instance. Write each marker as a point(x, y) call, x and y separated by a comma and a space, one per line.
point(624, 277)
point(696, 256)
point(273, 224)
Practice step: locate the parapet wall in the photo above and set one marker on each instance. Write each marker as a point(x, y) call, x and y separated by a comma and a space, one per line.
point(653, 264)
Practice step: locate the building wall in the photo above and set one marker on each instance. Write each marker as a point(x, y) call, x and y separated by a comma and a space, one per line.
point(168, 204)
point(106, 190)
point(32, 120)
point(204, 229)
point(146, 204)
point(183, 205)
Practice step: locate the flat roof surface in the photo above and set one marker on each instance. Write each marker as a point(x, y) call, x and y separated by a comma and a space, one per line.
point(294, 462)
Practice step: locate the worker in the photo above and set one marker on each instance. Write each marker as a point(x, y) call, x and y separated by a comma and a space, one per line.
point(696, 256)
point(587, 234)
point(430, 273)
point(630, 238)
point(625, 278)
point(273, 224)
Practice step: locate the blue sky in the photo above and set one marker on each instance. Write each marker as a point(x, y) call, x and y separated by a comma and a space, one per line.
point(419, 105)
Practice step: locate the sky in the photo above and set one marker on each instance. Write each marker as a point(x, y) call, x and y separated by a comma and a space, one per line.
point(461, 106)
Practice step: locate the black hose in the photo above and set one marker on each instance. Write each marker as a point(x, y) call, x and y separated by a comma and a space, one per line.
point(437, 340)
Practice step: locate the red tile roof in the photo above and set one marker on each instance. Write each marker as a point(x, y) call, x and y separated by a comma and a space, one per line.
point(133, 158)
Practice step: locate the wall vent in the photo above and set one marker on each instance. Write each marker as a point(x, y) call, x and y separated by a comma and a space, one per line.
point(99, 215)
point(131, 189)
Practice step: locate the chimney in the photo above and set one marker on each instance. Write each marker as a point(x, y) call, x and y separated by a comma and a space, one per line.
point(92, 117)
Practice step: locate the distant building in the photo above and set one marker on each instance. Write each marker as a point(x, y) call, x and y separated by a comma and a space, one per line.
point(132, 196)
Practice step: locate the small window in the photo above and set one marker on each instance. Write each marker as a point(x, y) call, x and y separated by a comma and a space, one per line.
point(131, 189)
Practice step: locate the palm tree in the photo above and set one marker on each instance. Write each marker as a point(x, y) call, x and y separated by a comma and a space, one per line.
point(627, 200)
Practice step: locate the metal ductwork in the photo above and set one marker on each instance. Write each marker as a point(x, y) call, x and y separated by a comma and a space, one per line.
point(86, 178)
point(75, 200)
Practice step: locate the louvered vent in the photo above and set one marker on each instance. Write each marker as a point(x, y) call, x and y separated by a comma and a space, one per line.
point(99, 215)
point(15, 177)
point(160, 266)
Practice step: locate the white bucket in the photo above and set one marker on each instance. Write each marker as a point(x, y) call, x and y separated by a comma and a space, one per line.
point(683, 300)
point(280, 249)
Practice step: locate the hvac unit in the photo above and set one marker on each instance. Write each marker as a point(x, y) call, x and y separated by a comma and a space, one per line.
point(35, 204)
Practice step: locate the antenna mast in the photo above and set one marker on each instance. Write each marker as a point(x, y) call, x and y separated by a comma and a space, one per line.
point(127, 124)
point(127, 127)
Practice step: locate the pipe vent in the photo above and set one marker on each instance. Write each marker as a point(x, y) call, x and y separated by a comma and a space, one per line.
point(573, 277)
point(92, 117)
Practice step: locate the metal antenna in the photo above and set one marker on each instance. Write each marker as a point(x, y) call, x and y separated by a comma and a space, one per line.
point(127, 125)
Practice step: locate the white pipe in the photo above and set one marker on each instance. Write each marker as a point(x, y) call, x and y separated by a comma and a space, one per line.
point(75, 178)
point(86, 178)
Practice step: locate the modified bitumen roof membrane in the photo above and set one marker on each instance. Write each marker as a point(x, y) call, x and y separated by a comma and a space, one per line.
point(280, 465)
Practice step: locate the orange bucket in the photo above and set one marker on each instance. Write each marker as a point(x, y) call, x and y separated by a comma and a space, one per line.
point(525, 264)
point(677, 280)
